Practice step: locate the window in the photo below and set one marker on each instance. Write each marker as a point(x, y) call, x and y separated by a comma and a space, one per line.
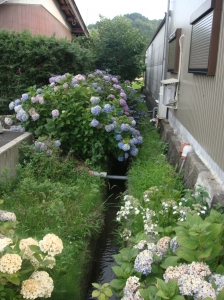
point(205, 37)
point(174, 51)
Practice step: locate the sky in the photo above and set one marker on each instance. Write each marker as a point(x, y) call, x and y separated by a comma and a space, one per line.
point(90, 9)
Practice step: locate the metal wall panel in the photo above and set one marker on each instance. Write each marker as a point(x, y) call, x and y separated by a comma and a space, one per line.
point(201, 99)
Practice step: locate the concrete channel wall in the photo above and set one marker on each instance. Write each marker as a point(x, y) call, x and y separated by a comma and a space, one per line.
point(9, 150)
point(195, 172)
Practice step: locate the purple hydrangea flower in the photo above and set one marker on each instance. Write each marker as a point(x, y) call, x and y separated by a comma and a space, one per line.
point(55, 114)
point(125, 127)
point(125, 147)
point(118, 137)
point(94, 123)
point(123, 102)
point(65, 85)
point(99, 72)
point(79, 77)
point(127, 81)
point(107, 78)
point(107, 108)
point(123, 95)
point(24, 97)
point(114, 79)
point(125, 107)
point(11, 105)
point(117, 86)
point(111, 96)
point(96, 110)
point(57, 143)
point(90, 76)
point(94, 100)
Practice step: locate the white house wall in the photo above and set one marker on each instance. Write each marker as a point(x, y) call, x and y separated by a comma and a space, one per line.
point(50, 5)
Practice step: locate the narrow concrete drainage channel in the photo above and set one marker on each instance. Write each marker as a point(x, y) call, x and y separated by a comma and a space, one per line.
point(106, 245)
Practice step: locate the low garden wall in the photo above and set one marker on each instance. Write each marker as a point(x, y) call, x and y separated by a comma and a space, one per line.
point(194, 170)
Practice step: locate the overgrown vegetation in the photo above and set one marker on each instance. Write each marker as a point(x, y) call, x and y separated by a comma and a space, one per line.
point(56, 195)
point(28, 60)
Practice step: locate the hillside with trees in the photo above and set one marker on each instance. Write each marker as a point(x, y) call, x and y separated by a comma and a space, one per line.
point(147, 27)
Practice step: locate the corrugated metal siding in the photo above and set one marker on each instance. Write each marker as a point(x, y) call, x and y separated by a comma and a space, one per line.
point(154, 62)
point(201, 99)
point(200, 43)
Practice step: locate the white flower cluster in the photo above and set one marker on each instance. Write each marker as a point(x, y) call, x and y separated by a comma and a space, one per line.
point(39, 285)
point(4, 241)
point(149, 226)
point(7, 216)
point(126, 234)
point(148, 193)
point(163, 245)
point(167, 205)
point(131, 289)
point(190, 280)
point(51, 244)
point(10, 263)
point(131, 205)
point(144, 245)
point(218, 280)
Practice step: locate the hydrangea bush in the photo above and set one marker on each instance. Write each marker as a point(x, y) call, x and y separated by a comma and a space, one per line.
point(25, 263)
point(174, 247)
point(80, 111)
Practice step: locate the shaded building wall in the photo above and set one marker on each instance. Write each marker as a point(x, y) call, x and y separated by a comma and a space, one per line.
point(33, 17)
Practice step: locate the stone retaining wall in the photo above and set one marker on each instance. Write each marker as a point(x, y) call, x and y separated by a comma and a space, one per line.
point(194, 170)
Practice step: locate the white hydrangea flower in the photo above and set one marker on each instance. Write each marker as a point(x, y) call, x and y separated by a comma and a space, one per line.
point(24, 244)
point(51, 244)
point(10, 263)
point(131, 291)
point(4, 242)
point(7, 216)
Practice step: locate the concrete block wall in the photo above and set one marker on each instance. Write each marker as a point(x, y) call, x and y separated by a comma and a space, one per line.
point(194, 170)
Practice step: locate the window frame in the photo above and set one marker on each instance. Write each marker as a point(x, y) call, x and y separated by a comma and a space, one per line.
point(175, 35)
point(207, 7)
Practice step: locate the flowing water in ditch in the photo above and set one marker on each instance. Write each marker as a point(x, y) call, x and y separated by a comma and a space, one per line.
point(106, 244)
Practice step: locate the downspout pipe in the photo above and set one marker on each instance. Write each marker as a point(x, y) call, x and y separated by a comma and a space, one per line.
point(166, 40)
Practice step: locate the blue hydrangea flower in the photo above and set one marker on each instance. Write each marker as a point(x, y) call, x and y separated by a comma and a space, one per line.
point(37, 144)
point(120, 158)
point(125, 127)
point(125, 147)
point(140, 139)
point(134, 151)
point(94, 85)
point(94, 100)
point(120, 145)
point(118, 137)
point(43, 147)
point(107, 78)
point(109, 128)
point(57, 143)
point(24, 97)
point(17, 102)
point(39, 91)
point(126, 155)
point(107, 108)
point(133, 141)
point(96, 110)
point(99, 90)
point(13, 128)
point(25, 117)
point(94, 123)
point(76, 85)
point(143, 262)
point(20, 128)
point(11, 105)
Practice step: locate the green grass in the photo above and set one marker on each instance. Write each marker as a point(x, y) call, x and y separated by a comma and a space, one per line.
point(55, 195)
point(150, 167)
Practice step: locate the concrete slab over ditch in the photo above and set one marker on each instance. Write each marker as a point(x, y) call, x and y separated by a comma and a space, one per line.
point(194, 170)
point(9, 149)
